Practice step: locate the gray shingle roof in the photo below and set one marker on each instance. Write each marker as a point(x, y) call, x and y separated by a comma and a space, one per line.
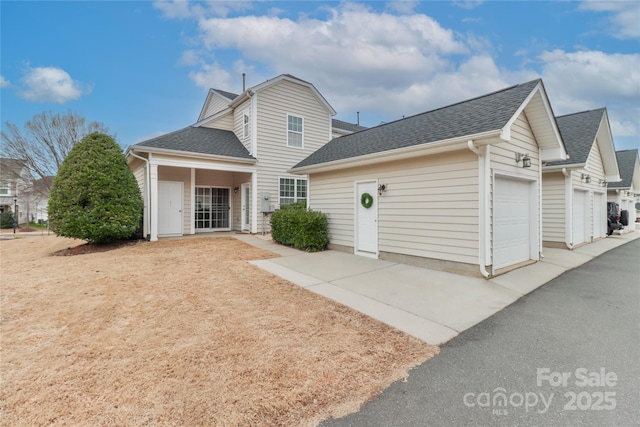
point(200, 140)
point(626, 165)
point(229, 95)
point(483, 114)
point(351, 127)
point(579, 131)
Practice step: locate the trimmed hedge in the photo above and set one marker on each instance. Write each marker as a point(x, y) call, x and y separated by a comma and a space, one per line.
point(95, 196)
point(6, 219)
point(294, 225)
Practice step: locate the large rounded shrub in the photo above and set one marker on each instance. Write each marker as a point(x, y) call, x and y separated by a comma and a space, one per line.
point(94, 196)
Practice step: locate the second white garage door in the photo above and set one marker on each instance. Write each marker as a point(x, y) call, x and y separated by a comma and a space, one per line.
point(512, 216)
point(580, 219)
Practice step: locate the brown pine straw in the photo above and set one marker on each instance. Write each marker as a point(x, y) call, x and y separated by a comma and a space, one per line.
point(180, 332)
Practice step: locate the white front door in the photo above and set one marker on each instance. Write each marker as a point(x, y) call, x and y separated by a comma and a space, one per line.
point(366, 228)
point(513, 214)
point(246, 207)
point(170, 208)
point(579, 216)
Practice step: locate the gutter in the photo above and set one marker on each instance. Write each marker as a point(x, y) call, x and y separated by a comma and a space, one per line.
point(396, 154)
point(192, 154)
point(484, 171)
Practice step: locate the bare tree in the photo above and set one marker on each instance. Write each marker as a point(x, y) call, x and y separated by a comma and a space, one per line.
point(46, 140)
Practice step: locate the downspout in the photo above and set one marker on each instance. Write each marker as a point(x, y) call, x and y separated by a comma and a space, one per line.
point(483, 185)
point(148, 189)
point(568, 210)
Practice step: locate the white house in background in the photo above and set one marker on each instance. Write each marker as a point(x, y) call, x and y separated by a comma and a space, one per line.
point(20, 192)
point(457, 188)
point(574, 199)
point(230, 168)
point(625, 191)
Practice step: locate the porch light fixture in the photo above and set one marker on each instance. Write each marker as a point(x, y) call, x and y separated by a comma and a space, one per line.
point(381, 188)
point(603, 182)
point(585, 177)
point(524, 158)
point(235, 190)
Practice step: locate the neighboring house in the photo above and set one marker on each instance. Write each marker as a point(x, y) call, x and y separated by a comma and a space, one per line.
point(624, 192)
point(19, 190)
point(229, 169)
point(13, 175)
point(574, 200)
point(457, 188)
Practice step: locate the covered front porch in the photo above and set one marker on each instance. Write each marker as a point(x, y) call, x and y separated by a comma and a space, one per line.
point(185, 195)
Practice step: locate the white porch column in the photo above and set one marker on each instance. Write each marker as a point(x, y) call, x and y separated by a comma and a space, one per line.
point(192, 190)
point(153, 203)
point(255, 205)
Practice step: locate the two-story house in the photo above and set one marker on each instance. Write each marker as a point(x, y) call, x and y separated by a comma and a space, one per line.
point(229, 169)
point(12, 174)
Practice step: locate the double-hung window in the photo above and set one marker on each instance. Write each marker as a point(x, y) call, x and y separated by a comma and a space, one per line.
point(292, 190)
point(246, 123)
point(4, 189)
point(294, 131)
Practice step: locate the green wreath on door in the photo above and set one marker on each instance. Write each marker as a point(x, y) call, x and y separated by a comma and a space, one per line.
point(366, 200)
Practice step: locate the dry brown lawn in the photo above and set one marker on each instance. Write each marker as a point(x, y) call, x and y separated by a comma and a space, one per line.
point(180, 332)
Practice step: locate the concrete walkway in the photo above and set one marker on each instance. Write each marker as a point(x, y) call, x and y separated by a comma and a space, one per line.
point(431, 305)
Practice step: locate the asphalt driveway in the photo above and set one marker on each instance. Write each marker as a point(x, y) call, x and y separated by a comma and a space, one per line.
point(566, 354)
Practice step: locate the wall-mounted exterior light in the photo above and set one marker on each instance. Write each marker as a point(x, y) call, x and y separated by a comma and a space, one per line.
point(381, 189)
point(524, 158)
point(585, 177)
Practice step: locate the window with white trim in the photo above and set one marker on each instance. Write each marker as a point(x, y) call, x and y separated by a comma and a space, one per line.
point(292, 190)
point(4, 188)
point(245, 124)
point(294, 131)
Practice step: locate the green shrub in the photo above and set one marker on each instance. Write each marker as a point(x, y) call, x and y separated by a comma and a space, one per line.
point(296, 226)
point(94, 196)
point(6, 219)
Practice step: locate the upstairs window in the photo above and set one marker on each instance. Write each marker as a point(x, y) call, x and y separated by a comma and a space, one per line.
point(292, 190)
point(4, 189)
point(294, 131)
point(245, 124)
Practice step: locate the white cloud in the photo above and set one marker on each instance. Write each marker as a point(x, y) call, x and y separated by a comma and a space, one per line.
point(4, 82)
point(388, 65)
point(185, 9)
point(468, 4)
point(623, 16)
point(402, 6)
point(51, 84)
point(584, 80)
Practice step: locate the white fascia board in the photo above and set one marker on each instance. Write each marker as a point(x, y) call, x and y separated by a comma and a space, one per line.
point(443, 146)
point(560, 167)
point(217, 115)
point(191, 154)
point(604, 140)
point(555, 153)
point(206, 101)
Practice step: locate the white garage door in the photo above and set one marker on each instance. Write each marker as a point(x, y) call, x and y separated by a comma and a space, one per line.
point(599, 206)
point(512, 216)
point(579, 216)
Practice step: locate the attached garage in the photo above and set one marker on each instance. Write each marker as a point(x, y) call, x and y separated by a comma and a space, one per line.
point(513, 217)
point(457, 188)
point(574, 204)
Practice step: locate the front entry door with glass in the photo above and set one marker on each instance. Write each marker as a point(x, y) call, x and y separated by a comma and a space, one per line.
point(212, 209)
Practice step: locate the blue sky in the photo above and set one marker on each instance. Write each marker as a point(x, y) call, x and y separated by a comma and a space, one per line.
point(143, 68)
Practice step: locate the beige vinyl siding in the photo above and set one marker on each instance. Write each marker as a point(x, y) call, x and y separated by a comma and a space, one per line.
point(503, 160)
point(215, 105)
point(430, 207)
point(274, 156)
point(168, 173)
point(225, 123)
point(238, 114)
point(553, 207)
